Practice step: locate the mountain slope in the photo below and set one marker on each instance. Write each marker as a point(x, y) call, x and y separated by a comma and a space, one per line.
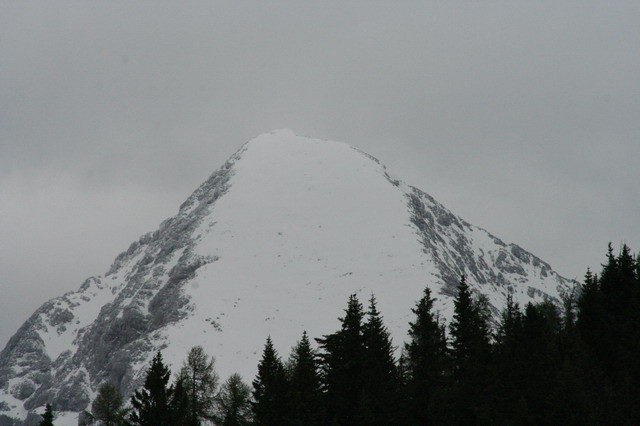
point(271, 244)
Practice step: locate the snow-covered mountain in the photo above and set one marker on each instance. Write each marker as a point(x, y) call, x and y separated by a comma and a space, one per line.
point(271, 244)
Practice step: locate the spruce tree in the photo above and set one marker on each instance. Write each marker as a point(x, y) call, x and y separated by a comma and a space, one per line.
point(540, 358)
point(270, 389)
point(151, 403)
point(509, 331)
point(618, 346)
point(426, 363)
point(342, 364)
point(509, 399)
point(200, 382)
point(471, 349)
point(47, 417)
point(233, 403)
point(305, 393)
point(380, 395)
point(469, 330)
point(625, 309)
point(590, 320)
point(610, 284)
point(571, 400)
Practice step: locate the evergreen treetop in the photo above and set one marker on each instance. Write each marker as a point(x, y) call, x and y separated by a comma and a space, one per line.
point(47, 417)
point(305, 391)
point(150, 404)
point(270, 388)
point(342, 363)
point(380, 393)
point(469, 328)
point(426, 363)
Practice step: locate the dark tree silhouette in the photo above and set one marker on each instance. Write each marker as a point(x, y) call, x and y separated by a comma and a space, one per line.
point(426, 363)
point(342, 363)
point(270, 405)
point(151, 403)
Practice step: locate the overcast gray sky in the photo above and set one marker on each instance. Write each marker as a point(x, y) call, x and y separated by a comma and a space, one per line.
point(522, 117)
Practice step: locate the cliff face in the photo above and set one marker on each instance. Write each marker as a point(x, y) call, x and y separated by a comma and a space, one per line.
point(271, 244)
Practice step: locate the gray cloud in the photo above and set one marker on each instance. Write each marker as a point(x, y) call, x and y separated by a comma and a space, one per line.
point(521, 117)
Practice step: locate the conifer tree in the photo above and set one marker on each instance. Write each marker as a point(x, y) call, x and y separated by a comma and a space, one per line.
point(270, 389)
point(509, 401)
point(609, 283)
point(305, 393)
point(151, 403)
point(591, 313)
point(469, 330)
point(233, 403)
point(540, 357)
point(179, 404)
point(571, 401)
point(342, 364)
point(200, 382)
point(47, 417)
point(624, 309)
point(618, 346)
point(471, 349)
point(426, 363)
point(380, 398)
point(509, 332)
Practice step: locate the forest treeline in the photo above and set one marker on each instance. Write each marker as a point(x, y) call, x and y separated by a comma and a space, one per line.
point(578, 364)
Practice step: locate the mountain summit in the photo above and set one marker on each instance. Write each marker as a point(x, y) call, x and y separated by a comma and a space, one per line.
point(271, 244)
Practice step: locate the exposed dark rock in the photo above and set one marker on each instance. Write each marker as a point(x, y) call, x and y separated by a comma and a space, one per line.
point(32, 419)
point(60, 316)
point(8, 421)
point(446, 240)
point(23, 389)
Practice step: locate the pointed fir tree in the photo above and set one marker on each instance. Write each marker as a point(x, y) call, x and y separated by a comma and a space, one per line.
point(626, 272)
point(590, 319)
point(47, 417)
point(305, 393)
point(625, 309)
point(509, 332)
point(381, 386)
point(233, 403)
point(540, 357)
point(200, 382)
point(618, 346)
point(570, 401)
point(609, 282)
point(471, 348)
point(270, 389)
point(469, 330)
point(426, 363)
point(507, 391)
point(342, 365)
point(150, 405)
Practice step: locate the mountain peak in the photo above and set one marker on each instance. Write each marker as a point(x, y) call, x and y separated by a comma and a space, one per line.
point(271, 244)
point(278, 137)
point(282, 132)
